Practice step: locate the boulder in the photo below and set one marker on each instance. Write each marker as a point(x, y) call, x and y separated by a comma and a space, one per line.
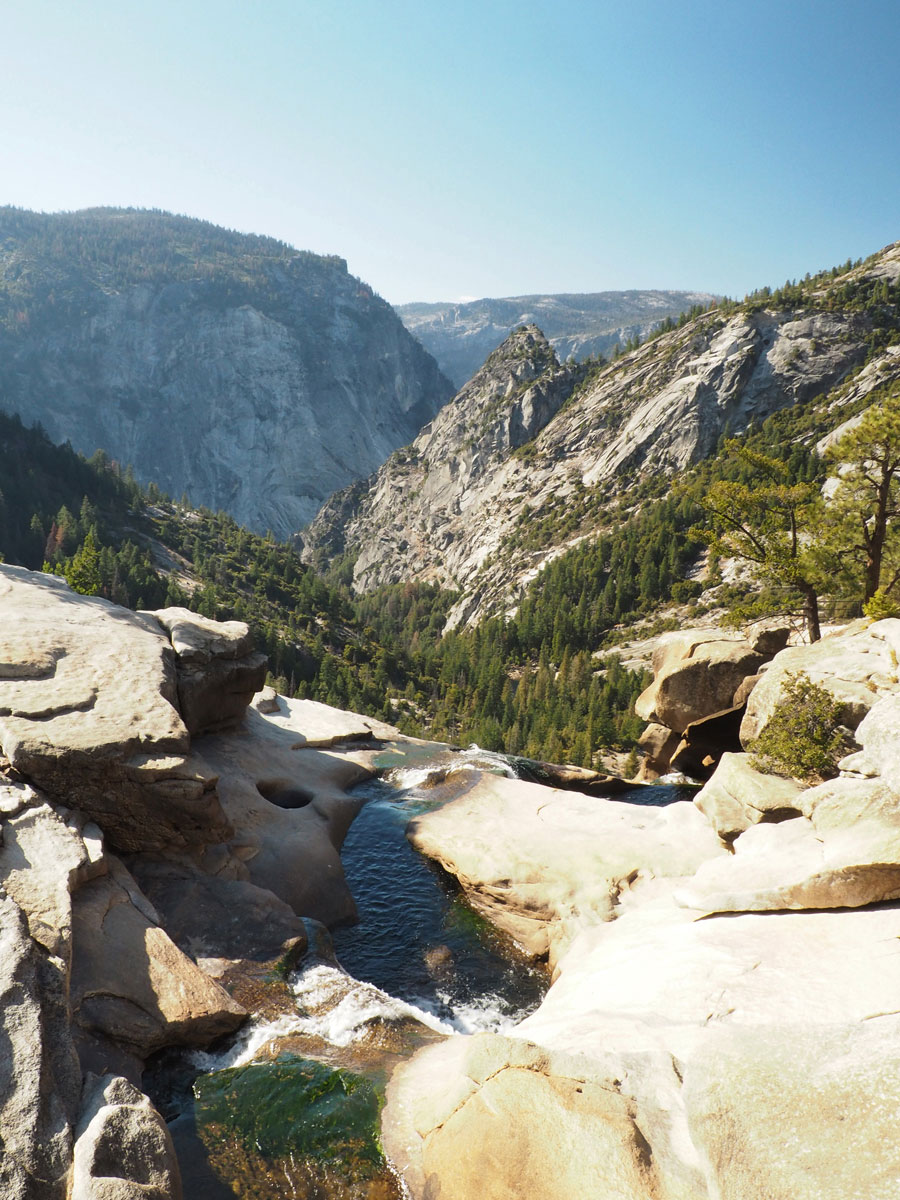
point(40, 1081)
point(738, 796)
point(208, 916)
point(657, 744)
point(290, 806)
point(132, 990)
point(705, 741)
point(218, 672)
point(793, 866)
point(123, 1150)
point(454, 1126)
point(857, 665)
point(695, 674)
point(87, 714)
point(43, 858)
point(544, 862)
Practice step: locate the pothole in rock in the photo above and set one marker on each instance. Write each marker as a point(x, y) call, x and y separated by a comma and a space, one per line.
point(284, 793)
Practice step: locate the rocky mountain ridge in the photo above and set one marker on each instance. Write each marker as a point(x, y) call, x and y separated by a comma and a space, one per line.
point(461, 336)
point(253, 377)
point(450, 507)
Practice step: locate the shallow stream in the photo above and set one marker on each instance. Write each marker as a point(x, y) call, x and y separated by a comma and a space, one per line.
point(290, 1108)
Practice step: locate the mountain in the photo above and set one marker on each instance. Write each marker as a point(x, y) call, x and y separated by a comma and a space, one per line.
point(461, 336)
point(532, 458)
point(254, 377)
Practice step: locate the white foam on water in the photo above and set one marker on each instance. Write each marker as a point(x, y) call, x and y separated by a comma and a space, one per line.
point(486, 1014)
point(246, 1047)
point(472, 759)
point(340, 1009)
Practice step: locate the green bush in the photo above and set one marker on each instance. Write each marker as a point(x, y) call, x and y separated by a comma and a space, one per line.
point(803, 738)
point(880, 606)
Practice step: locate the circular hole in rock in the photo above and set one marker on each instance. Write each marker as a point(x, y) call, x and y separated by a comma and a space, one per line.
point(284, 793)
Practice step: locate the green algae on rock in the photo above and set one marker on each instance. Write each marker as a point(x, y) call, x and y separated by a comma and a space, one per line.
point(307, 1122)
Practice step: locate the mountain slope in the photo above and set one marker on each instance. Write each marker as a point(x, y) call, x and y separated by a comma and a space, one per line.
point(461, 336)
point(467, 508)
point(254, 377)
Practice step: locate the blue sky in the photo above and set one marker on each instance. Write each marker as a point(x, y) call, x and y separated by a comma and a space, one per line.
point(471, 149)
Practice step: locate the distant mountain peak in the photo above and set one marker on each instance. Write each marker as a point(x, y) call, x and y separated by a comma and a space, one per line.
point(461, 335)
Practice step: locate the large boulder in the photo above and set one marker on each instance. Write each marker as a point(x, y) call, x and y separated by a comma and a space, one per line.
point(218, 672)
point(132, 990)
point(123, 1150)
point(40, 1082)
point(738, 796)
point(696, 673)
point(857, 665)
point(681, 1029)
point(454, 1126)
point(88, 714)
point(45, 854)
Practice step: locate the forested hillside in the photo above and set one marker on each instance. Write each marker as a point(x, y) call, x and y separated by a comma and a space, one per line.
point(643, 549)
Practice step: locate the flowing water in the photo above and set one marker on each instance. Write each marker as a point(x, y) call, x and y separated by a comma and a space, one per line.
point(267, 1119)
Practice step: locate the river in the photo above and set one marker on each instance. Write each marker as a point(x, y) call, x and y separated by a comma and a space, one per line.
point(290, 1107)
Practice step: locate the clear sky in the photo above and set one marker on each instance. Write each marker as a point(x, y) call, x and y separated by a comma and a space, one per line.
point(464, 149)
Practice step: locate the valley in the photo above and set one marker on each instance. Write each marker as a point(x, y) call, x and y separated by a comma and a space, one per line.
point(588, 942)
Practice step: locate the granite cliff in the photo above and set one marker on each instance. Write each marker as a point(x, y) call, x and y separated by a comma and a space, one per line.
point(253, 377)
point(528, 439)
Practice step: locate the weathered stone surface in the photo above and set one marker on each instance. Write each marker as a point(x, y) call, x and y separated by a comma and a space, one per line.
point(123, 1150)
point(288, 802)
point(42, 859)
point(40, 1082)
point(211, 917)
point(792, 865)
point(217, 670)
point(857, 665)
point(543, 862)
point(131, 985)
point(738, 796)
point(87, 694)
point(691, 1024)
point(658, 744)
point(877, 733)
point(468, 1140)
point(313, 724)
point(695, 674)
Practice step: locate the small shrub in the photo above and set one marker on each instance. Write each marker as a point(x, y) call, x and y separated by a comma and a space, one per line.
point(880, 606)
point(803, 737)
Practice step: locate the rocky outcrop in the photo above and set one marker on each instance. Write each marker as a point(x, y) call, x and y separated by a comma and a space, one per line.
point(461, 336)
point(546, 860)
point(856, 665)
point(88, 714)
point(217, 670)
point(106, 961)
point(696, 674)
point(255, 378)
point(456, 507)
point(701, 681)
point(725, 1026)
